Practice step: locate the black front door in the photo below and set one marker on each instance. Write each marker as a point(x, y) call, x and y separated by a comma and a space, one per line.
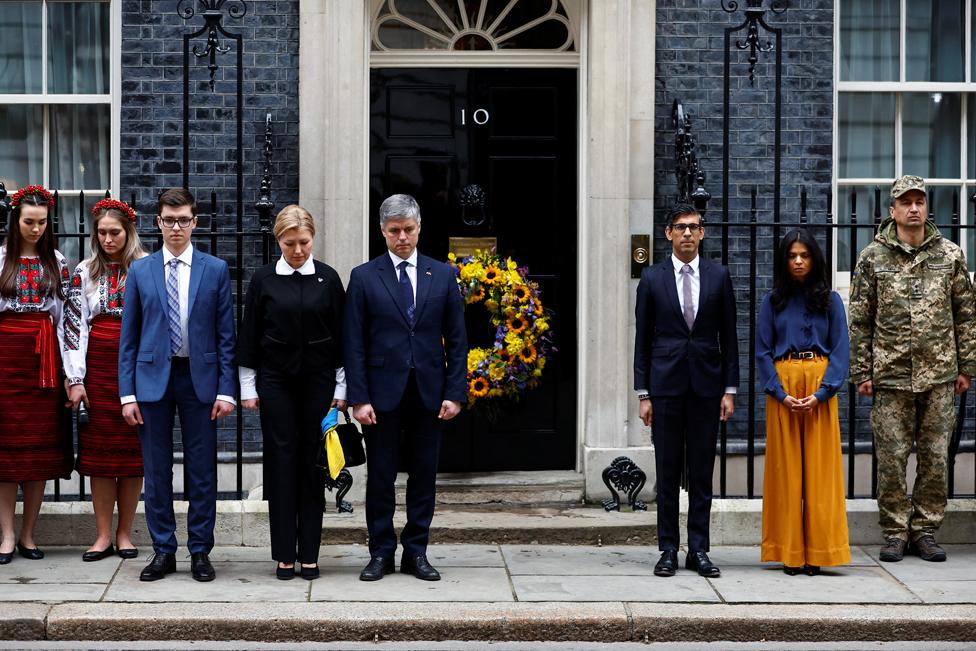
point(512, 133)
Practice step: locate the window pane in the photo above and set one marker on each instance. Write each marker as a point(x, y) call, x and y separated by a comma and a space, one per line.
point(934, 40)
point(930, 134)
point(940, 206)
point(80, 140)
point(78, 38)
point(69, 209)
point(869, 40)
point(866, 134)
point(971, 132)
point(866, 205)
point(21, 145)
point(968, 216)
point(20, 47)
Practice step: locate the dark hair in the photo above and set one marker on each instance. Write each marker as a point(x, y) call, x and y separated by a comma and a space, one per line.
point(50, 282)
point(680, 210)
point(815, 288)
point(176, 197)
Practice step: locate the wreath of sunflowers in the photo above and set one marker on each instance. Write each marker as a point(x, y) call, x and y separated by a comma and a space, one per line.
point(523, 339)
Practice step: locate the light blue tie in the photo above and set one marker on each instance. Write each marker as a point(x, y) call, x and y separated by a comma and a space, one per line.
point(173, 304)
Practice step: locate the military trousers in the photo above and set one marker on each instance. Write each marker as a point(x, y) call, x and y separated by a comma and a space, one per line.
point(898, 418)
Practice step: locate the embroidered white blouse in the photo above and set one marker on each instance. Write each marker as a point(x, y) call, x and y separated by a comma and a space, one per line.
point(29, 298)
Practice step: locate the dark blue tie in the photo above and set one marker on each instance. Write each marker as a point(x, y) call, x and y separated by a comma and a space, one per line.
point(406, 291)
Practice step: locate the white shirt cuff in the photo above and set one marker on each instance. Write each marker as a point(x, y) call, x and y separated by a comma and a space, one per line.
point(127, 399)
point(227, 399)
point(248, 380)
point(340, 389)
point(731, 390)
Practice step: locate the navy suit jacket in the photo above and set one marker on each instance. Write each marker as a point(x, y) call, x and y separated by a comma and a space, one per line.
point(380, 345)
point(144, 348)
point(670, 359)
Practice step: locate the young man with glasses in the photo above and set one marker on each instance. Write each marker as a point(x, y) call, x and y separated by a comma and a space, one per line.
point(686, 369)
point(169, 361)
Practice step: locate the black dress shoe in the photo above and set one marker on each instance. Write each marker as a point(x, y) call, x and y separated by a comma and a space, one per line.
point(201, 568)
point(160, 565)
point(33, 553)
point(285, 573)
point(309, 573)
point(792, 571)
point(667, 565)
point(377, 568)
point(699, 562)
point(419, 567)
point(132, 552)
point(88, 557)
point(6, 558)
point(811, 570)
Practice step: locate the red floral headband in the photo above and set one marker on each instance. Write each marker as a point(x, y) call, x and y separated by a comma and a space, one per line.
point(114, 204)
point(39, 190)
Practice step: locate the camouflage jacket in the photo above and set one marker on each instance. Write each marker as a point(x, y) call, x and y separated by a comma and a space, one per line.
point(912, 313)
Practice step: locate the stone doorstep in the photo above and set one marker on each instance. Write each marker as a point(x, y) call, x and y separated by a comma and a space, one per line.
point(598, 622)
point(734, 522)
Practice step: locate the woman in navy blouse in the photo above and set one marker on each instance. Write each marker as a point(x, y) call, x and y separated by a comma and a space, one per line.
point(802, 352)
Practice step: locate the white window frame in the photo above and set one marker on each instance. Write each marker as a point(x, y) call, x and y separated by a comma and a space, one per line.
point(967, 92)
point(113, 98)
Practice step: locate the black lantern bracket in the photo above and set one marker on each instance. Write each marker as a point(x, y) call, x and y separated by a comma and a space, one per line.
point(213, 16)
point(755, 12)
point(690, 175)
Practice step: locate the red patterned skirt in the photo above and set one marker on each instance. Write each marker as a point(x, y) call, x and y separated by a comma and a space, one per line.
point(35, 443)
point(107, 446)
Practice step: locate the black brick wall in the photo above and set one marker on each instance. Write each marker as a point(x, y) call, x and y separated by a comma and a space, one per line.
point(690, 50)
point(151, 146)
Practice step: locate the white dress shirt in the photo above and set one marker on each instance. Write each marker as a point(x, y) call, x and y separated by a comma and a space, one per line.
point(183, 269)
point(695, 279)
point(248, 376)
point(411, 270)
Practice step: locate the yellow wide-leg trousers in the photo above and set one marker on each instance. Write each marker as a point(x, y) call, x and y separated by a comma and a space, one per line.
point(804, 519)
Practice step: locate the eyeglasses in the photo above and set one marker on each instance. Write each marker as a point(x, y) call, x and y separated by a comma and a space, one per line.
point(682, 227)
point(169, 222)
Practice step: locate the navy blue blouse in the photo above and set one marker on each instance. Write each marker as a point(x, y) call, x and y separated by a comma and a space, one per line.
point(795, 329)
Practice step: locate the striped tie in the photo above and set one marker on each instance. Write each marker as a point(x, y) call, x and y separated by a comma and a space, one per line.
point(173, 303)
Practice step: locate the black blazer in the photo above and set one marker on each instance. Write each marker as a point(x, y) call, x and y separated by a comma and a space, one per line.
point(292, 324)
point(670, 360)
point(381, 345)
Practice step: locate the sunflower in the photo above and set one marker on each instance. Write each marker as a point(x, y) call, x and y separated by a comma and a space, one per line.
point(537, 308)
point(474, 297)
point(504, 356)
point(516, 323)
point(521, 293)
point(491, 275)
point(478, 387)
point(528, 354)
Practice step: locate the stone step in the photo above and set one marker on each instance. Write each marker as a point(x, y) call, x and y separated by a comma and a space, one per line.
point(522, 488)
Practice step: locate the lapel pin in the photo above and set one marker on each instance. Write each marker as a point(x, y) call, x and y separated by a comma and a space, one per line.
point(320, 280)
point(428, 273)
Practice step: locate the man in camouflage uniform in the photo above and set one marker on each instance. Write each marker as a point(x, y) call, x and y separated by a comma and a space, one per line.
point(913, 345)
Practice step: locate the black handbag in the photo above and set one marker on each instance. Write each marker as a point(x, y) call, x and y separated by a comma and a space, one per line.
point(351, 440)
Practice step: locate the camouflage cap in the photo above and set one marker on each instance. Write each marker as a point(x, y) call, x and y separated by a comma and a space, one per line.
point(907, 183)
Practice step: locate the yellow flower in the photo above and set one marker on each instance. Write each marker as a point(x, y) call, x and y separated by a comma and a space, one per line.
point(536, 372)
point(491, 305)
point(478, 387)
point(475, 357)
point(476, 296)
point(528, 354)
point(510, 265)
point(492, 275)
point(537, 308)
point(541, 325)
point(541, 363)
point(451, 257)
point(514, 343)
point(494, 393)
point(516, 323)
point(521, 293)
point(497, 372)
point(471, 271)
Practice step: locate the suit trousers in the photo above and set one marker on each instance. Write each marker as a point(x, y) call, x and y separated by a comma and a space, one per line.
point(804, 519)
point(292, 409)
point(421, 431)
point(684, 423)
point(199, 435)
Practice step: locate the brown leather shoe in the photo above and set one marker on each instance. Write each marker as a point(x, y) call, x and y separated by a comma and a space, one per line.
point(893, 550)
point(928, 550)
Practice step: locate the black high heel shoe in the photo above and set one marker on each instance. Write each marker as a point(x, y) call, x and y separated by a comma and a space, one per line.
point(6, 558)
point(32, 553)
point(811, 570)
point(792, 571)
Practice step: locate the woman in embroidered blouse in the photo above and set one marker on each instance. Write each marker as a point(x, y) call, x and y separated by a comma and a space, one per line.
point(34, 444)
point(108, 448)
point(289, 356)
point(802, 353)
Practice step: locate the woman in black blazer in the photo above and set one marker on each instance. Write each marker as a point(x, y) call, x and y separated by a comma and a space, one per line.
point(289, 351)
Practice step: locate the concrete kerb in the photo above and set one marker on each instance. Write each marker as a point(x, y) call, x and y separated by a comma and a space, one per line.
point(604, 622)
point(23, 621)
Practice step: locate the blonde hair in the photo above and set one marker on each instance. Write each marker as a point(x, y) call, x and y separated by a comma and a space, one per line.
point(98, 261)
point(293, 216)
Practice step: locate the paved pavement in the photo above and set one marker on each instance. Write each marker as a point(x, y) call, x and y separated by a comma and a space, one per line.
point(500, 592)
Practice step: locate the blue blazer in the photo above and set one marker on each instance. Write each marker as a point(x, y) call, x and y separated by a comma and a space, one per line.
point(380, 346)
point(144, 355)
point(670, 359)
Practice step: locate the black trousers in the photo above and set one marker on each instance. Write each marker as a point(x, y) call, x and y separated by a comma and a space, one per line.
point(684, 423)
point(292, 409)
point(421, 431)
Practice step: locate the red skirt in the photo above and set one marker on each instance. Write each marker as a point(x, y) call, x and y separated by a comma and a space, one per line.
point(35, 441)
point(107, 446)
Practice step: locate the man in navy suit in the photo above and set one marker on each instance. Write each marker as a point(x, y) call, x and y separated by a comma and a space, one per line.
point(686, 368)
point(177, 353)
point(405, 351)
